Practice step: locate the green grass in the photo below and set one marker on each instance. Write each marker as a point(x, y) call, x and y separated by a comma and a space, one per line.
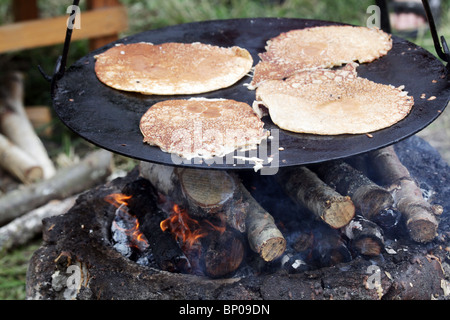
point(151, 14)
point(13, 268)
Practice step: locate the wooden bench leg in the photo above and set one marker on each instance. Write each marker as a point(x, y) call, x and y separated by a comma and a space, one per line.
point(24, 10)
point(96, 43)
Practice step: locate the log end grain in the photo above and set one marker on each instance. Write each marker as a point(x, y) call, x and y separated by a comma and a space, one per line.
point(368, 246)
point(33, 174)
point(207, 188)
point(272, 248)
point(225, 256)
point(339, 212)
point(422, 227)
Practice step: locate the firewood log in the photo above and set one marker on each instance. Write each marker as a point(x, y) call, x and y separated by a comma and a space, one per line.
point(305, 188)
point(15, 124)
point(143, 205)
point(263, 235)
point(204, 193)
point(420, 216)
point(93, 169)
point(13, 94)
point(365, 236)
point(217, 193)
point(224, 253)
point(19, 163)
point(318, 245)
point(370, 199)
point(25, 228)
point(329, 248)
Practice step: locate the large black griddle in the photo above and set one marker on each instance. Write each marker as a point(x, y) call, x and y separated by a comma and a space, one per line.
point(110, 118)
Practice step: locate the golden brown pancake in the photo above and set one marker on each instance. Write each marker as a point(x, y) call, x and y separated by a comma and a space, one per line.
point(172, 68)
point(319, 47)
point(202, 127)
point(332, 102)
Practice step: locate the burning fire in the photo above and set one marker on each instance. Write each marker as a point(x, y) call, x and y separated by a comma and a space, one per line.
point(117, 199)
point(137, 238)
point(186, 229)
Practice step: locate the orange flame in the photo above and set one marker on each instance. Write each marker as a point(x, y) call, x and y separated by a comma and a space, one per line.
point(137, 238)
point(117, 199)
point(186, 229)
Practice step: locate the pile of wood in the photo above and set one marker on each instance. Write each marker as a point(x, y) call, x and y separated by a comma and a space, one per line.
point(41, 190)
point(350, 213)
point(353, 207)
point(83, 237)
point(22, 152)
point(219, 199)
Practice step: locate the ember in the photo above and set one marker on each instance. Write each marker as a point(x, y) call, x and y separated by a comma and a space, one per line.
point(125, 223)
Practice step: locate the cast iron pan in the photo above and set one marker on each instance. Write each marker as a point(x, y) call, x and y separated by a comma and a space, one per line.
point(110, 118)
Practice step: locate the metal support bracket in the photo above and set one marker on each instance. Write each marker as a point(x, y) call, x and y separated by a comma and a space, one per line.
point(61, 62)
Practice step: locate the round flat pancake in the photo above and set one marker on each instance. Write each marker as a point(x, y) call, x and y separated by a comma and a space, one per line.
point(202, 127)
point(332, 102)
point(172, 68)
point(319, 47)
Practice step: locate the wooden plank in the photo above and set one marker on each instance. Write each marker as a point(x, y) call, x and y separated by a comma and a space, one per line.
point(96, 4)
point(45, 32)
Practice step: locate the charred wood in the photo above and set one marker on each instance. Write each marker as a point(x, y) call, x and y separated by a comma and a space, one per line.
point(365, 236)
point(213, 193)
point(329, 248)
point(143, 205)
point(224, 253)
point(370, 199)
point(317, 245)
point(203, 193)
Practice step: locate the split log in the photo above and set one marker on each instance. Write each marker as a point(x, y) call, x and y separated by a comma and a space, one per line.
point(420, 216)
point(15, 124)
point(206, 193)
point(93, 169)
point(18, 162)
point(365, 236)
point(143, 205)
point(370, 199)
point(27, 227)
point(306, 189)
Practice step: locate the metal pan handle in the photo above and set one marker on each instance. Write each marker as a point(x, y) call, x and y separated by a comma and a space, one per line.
point(61, 63)
point(443, 52)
